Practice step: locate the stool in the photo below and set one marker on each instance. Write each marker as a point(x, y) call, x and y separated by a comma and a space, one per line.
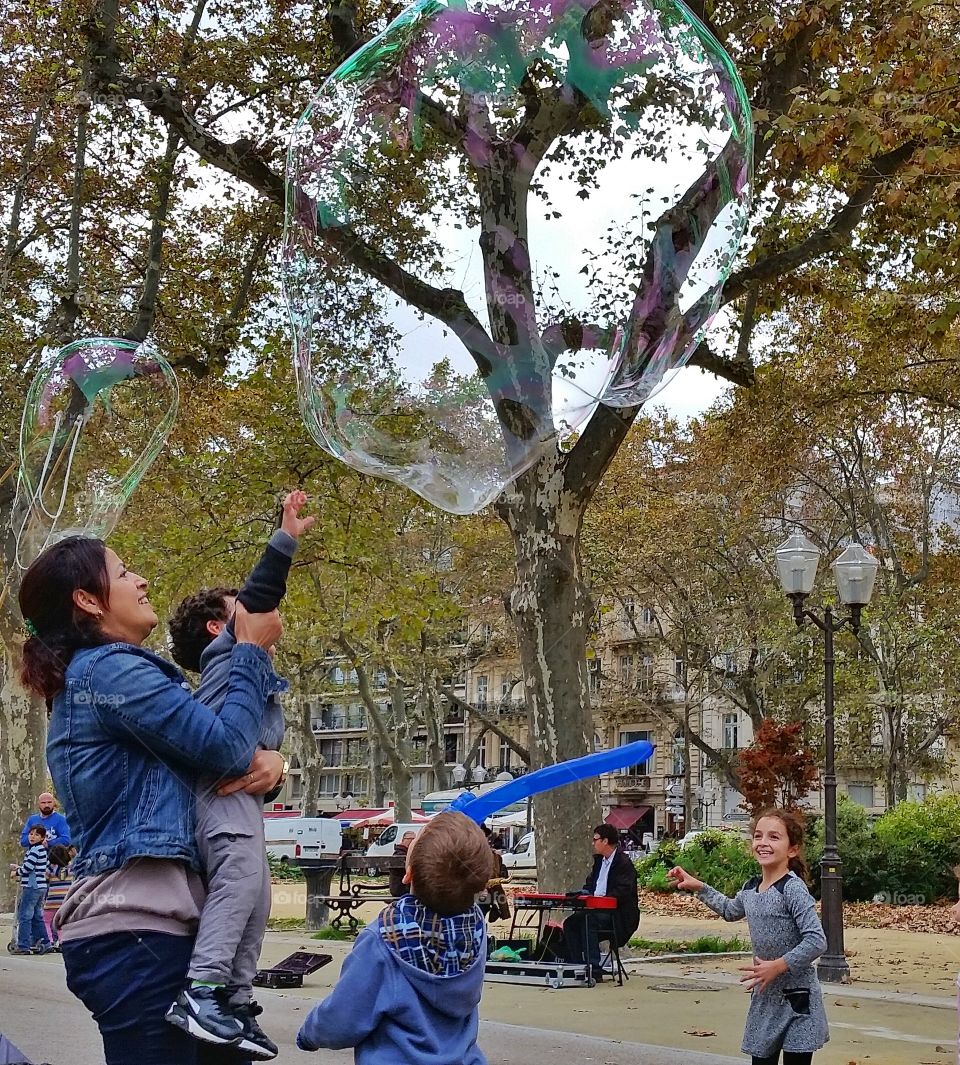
point(613, 955)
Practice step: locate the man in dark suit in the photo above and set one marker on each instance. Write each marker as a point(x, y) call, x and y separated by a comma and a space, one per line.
point(613, 874)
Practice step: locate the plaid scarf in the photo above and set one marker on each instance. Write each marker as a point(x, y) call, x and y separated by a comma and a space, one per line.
point(442, 946)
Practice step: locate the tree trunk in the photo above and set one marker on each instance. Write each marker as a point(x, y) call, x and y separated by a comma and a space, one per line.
point(303, 743)
point(23, 730)
point(398, 753)
point(551, 609)
point(377, 790)
point(436, 748)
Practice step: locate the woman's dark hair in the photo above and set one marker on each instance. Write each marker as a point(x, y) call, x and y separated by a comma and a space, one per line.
point(795, 827)
point(59, 856)
point(57, 626)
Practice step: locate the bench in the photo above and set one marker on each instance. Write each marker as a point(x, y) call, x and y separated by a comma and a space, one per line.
point(353, 894)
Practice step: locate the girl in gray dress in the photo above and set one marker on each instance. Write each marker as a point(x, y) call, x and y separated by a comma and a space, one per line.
point(786, 1007)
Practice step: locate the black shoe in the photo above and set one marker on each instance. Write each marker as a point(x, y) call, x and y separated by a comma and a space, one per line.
point(255, 1042)
point(18, 950)
point(206, 1014)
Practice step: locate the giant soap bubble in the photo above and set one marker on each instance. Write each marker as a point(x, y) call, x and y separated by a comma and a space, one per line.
point(500, 215)
point(96, 416)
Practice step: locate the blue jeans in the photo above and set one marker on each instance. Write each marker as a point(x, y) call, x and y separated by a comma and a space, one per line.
point(30, 927)
point(128, 980)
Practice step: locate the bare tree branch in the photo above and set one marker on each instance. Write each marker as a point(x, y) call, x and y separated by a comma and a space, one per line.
point(488, 723)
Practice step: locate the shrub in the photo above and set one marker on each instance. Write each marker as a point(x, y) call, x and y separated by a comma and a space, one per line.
point(918, 845)
point(858, 852)
point(280, 870)
point(721, 859)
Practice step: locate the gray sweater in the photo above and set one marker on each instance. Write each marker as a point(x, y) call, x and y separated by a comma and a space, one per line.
point(788, 1014)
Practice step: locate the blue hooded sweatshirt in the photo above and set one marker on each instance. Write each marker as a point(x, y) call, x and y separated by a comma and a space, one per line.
point(395, 1013)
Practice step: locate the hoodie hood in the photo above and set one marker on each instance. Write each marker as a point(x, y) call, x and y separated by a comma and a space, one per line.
point(442, 957)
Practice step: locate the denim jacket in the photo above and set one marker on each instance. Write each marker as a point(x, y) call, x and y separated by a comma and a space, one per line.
point(127, 739)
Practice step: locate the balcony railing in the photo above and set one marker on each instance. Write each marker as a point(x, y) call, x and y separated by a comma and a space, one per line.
point(630, 783)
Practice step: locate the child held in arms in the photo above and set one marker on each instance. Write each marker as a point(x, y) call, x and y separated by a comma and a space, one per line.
point(409, 991)
point(217, 1004)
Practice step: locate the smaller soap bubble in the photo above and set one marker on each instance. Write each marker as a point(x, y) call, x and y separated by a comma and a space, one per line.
point(96, 416)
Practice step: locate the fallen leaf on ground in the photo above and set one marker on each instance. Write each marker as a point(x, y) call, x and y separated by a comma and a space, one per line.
point(701, 1032)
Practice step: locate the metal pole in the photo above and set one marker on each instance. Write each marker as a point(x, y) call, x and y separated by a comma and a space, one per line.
point(833, 966)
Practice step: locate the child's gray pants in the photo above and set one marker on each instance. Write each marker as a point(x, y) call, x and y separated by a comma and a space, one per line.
point(234, 917)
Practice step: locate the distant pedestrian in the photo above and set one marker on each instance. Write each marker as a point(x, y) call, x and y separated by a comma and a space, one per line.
point(54, 823)
point(397, 886)
point(32, 873)
point(59, 879)
point(786, 1005)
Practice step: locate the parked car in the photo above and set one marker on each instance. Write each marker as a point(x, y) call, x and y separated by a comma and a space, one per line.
point(522, 860)
point(390, 837)
point(302, 837)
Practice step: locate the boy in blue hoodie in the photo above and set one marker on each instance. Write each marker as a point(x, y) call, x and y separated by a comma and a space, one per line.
point(409, 991)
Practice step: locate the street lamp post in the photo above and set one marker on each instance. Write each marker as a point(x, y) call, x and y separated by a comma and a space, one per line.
point(854, 571)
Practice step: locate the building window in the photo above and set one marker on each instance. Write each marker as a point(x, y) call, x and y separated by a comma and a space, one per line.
point(679, 671)
point(641, 769)
point(629, 606)
point(486, 631)
point(331, 751)
point(731, 732)
point(679, 752)
point(626, 670)
point(595, 675)
point(505, 763)
point(647, 616)
point(356, 783)
point(861, 794)
point(918, 792)
point(451, 747)
point(380, 678)
point(505, 686)
point(482, 682)
point(646, 674)
point(330, 784)
point(420, 781)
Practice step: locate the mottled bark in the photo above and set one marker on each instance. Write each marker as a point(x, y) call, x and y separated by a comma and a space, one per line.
point(303, 743)
point(432, 711)
point(551, 606)
point(23, 730)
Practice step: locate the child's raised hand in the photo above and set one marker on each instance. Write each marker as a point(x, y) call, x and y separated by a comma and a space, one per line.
point(292, 524)
point(683, 880)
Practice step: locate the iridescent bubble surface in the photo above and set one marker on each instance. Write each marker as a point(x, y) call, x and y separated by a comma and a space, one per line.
point(500, 215)
point(96, 416)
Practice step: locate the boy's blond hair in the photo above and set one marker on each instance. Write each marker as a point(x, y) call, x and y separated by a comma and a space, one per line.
point(450, 861)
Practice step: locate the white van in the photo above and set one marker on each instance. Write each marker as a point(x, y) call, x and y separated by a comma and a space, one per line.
point(302, 837)
point(522, 860)
point(390, 837)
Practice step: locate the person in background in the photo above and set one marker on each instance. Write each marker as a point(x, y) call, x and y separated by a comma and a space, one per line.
point(614, 875)
point(398, 885)
point(31, 933)
point(59, 879)
point(54, 823)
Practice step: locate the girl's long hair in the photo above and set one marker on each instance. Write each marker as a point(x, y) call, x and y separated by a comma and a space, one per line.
point(795, 827)
point(47, 606)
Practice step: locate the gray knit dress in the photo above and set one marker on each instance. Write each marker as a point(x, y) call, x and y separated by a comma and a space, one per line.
point(783, 923)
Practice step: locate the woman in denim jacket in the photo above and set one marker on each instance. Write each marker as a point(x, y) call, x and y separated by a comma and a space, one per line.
point(125, 742)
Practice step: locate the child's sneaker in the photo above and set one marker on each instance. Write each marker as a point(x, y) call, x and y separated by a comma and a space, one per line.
point(255, 1042)
point(205, 1013)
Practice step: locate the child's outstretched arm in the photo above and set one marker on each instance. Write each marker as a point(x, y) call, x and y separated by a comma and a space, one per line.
point(729, 909)
point(267, 583)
